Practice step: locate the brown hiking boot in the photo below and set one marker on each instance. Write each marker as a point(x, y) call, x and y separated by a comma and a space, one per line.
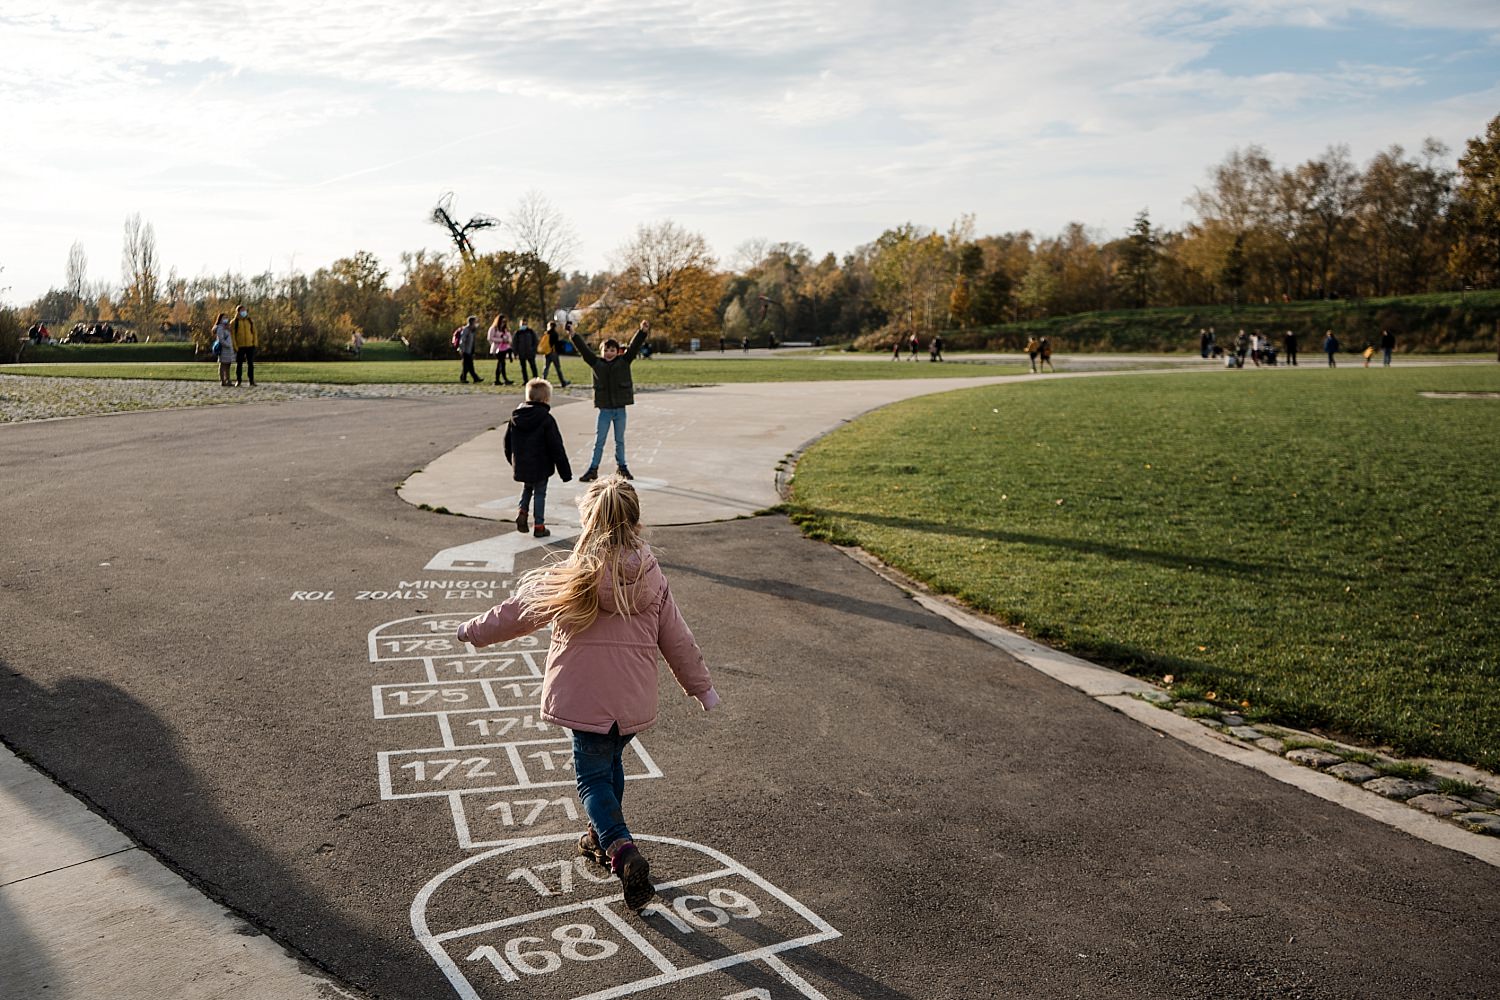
point(588, 846)
point(635, 874)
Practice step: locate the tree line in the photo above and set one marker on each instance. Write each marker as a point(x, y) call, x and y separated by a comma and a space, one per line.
point(1325, 228)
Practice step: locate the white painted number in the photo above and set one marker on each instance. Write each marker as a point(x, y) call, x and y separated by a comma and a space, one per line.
point(508, 816)
point(499, 727)
point(713, 910)
point(545, 756)
point(531, 690)
point(452, 696)
point(478, 767)
point(416, 645)
point(565, 870)
point(578, 943)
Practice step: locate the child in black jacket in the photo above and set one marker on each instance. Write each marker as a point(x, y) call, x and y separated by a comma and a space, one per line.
point(534, 448)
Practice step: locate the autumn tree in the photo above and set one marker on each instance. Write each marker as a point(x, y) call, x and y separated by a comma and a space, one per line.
point(913, 276)
point(547, 242)
point(666, 275)
point(1475, 257)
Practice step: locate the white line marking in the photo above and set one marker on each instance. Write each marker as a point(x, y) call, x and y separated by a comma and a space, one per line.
point(641, 944)
point(585, 904)
point(446, 728)
point(790, 975)
point(460, 820)
point(520, 768)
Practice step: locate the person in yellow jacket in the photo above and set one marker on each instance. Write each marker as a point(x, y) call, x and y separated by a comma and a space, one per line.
point(551, 349)
point(242, 332)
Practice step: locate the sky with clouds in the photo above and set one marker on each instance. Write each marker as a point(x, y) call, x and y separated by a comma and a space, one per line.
point(280, 135)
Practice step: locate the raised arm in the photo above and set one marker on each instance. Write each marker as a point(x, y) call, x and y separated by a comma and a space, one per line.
point(589, 357)
point(636, 342)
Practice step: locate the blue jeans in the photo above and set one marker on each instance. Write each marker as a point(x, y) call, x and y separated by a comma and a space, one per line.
point(539, 491)
point(600, 772)
point(554, 361)
point(1387, 357)
point(608, 418)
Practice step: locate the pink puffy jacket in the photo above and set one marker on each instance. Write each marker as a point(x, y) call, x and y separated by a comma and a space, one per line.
point(606, 674)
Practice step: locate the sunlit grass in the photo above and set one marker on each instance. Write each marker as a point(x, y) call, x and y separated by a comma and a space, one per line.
point(1321, 544)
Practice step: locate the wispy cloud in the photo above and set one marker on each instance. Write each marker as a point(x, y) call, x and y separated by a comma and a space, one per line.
point(326, 128)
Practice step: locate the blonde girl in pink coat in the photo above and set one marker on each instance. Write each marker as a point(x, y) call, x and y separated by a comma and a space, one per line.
point(611, 611)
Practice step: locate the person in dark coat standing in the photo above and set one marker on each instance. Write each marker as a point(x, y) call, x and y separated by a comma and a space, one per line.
point(525, 343)
point(463, 341)
point(1331, 347)
point(1289, 345)
point(613, 391)
point(534, 448)
point(1387, 345)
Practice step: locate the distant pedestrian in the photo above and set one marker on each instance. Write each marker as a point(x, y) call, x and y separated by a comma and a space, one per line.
point(1289, 344)
point(534, 449)
point(1369, 352)
point(1387, 345)
point(914, 345)
point(1045, 350)
point(614, 390)
point(1033, 347)
point(357, 344)
point(524, 343)
point(223, 340)
point(463, 340)
point(498, 336)
point(242, 332)
point(1257, 348)
point(551, 349)
point(1331, 347)
point(611, 613)
point(896, 349)
point(935, 348)
point(1202, 342)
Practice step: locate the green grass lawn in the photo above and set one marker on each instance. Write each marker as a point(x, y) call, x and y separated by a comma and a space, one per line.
point(1322, 545)
point(657, 371)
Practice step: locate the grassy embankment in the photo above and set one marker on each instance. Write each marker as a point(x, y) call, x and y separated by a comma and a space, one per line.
point(1442, 322)
point(1320, 544)
point(387, 362)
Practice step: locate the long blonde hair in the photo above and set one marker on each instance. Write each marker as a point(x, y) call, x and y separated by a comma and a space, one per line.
point(567, 593)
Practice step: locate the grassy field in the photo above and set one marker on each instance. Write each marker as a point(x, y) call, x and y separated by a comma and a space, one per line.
point(1322, 545)
point(689, 370)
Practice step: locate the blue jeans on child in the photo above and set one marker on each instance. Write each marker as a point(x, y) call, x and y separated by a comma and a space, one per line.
point(613, 417)
point(600, 771)
point(538, 490)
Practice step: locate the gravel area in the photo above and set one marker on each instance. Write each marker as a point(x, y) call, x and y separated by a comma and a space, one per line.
point(27, 397)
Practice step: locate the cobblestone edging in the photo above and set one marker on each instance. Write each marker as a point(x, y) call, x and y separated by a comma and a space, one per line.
point(1464, 795)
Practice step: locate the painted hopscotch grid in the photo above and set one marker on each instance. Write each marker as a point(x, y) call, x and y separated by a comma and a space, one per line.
point(496, 691)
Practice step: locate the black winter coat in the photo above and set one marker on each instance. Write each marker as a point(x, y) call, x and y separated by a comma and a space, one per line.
point(524, 342)
point(534, 445)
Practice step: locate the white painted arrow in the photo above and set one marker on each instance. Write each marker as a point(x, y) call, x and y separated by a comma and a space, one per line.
point(498, 554)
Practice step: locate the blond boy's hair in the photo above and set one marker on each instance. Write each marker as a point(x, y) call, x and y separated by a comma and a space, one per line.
point(567, 593)
point(538, 390)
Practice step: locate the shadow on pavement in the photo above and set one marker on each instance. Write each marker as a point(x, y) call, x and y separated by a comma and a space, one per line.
point(120, 757)
point(886, 613)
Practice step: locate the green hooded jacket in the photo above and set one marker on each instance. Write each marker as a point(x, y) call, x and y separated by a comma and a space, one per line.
point(613, 387)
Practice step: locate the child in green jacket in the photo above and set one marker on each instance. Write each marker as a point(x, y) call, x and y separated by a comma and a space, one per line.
point(613, 391)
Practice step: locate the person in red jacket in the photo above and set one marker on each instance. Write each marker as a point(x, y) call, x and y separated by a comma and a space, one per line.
point(610, 610)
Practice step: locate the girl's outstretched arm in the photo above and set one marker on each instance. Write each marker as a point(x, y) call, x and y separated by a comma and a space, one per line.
point(499, 624)
point(684, 658)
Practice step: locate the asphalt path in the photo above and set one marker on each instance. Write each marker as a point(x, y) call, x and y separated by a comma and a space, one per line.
point(966, 827)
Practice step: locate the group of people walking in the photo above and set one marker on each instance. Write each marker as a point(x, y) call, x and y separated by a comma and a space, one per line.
point(608, 605)
point(522, 346)
point(1259, 349)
